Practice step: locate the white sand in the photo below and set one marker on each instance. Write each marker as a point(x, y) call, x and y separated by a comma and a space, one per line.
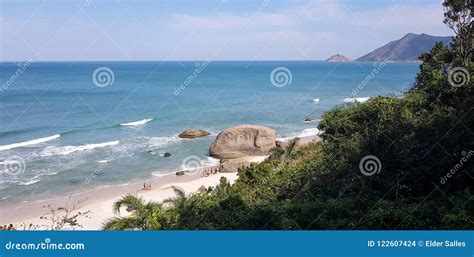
point(100, 201)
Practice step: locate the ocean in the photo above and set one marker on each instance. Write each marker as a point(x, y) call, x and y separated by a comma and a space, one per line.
point(72, 126)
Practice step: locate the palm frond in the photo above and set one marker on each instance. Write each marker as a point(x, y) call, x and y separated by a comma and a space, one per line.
point(179, 195)
point(136, 203)
point(179, 192)
point(120, 223)
point(291, 147)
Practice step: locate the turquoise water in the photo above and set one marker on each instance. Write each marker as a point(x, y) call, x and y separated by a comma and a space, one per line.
point(80, 142)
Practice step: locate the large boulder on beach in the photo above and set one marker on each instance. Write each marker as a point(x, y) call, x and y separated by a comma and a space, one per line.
point(233, 165)
point(243, 140)
point(193, 133)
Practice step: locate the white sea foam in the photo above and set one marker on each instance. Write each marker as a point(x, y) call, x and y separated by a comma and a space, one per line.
point(103, 161)
point(161, 174)
point(65, 150)
point(195, 165)
point(28, 143)
point(310, 121)
point(29, 182)
point(309, 132)
point(158, 142)
point(137, 123)
point(316, 100)
point(210, 161)
point(357, 99)
point(305, 133)
point(8, 162)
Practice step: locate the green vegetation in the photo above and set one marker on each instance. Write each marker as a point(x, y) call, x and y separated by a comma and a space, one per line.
point(419, 140)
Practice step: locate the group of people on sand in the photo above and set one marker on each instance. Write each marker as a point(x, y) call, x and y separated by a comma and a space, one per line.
point(5, 227)
point(146, 186)
point(209, 171)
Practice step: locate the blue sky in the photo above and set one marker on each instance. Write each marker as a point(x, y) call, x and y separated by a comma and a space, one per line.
point(197, 30)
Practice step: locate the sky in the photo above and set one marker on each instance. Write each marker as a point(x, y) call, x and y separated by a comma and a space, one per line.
point(147, 30)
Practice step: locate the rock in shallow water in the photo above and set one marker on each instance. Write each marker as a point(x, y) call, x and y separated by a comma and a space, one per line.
point(243, 140)
point(193, 133)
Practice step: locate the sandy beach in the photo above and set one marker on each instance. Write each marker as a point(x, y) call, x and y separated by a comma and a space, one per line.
point(99, 202)
point(96, 205)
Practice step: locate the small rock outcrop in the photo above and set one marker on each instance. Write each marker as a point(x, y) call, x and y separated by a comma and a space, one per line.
point(243, 140)
point(299, 141)
point(338, 58)
point(193, 133)
point(166, 154)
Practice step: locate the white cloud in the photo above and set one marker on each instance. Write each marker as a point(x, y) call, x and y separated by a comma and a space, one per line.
point(408, 17)
point(302, 30)
point(230, 21)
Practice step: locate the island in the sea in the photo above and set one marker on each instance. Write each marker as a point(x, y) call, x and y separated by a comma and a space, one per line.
point(338, 58)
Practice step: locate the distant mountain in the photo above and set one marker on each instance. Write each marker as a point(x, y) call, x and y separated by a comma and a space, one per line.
point(338, 58)
point(408, 48)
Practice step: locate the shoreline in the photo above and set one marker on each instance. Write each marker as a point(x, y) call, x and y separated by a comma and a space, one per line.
point(99, 201)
